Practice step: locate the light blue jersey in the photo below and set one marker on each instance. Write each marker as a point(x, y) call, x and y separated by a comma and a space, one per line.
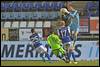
point(73, 18)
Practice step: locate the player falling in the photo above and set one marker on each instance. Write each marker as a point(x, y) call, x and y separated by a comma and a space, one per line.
point(56, 45)
point(64, 34)
point(37, 45)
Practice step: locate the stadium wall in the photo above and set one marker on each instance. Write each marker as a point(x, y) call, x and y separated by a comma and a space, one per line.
point(23, 50)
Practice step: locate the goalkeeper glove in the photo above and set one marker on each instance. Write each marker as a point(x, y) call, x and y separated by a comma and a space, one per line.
point(63, 11)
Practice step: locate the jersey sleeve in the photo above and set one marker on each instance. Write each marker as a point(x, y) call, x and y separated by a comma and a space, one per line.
point(58, 40)
point(73, 14)
point(68, 29)
point(40, 36)
point(31, 39)
point(58, 32)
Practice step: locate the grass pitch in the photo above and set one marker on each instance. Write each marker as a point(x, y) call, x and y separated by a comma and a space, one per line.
point(41, 63)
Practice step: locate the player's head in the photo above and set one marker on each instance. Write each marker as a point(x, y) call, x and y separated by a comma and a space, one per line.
point(62, 23)
point(32, 30)
point(69, 6)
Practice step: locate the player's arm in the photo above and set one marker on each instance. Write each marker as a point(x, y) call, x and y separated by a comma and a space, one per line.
point(58, 33)
point(38, 37)
point(32, 41)
point(65, 12)
point(72, 9)
point(70, 14)
point(73, 14)
point(31, 38)
point(58, 40)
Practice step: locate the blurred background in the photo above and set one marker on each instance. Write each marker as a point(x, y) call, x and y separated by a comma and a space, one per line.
point(18, 17)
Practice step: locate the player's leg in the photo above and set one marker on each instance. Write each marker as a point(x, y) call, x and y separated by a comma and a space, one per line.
point(66, 47)
point(75, 35)
point(72, 34)
point(57, 53)
point(73, 46)
point(63, 52)
point(73, 56)
point(39, 50)
point(70, 49)
point(44, 50)
point(71, 52)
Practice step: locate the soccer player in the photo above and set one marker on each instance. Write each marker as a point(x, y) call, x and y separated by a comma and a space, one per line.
point(37, 45)
point(55, 43)
point(74, 26)
point(72, 17)
point(64, 34)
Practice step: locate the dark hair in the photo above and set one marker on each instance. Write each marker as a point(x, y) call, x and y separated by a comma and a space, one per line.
point(32, 30)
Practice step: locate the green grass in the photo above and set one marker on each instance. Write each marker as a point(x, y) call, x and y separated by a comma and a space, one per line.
point(41, 63)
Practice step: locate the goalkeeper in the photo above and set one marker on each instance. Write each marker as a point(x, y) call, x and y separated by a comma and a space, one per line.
point(56, 45)
point(72, 17)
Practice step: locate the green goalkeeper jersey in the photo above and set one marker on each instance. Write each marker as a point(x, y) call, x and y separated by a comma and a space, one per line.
point(54, 41)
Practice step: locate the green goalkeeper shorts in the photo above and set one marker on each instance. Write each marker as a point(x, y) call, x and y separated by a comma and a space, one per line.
point(58, 51)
